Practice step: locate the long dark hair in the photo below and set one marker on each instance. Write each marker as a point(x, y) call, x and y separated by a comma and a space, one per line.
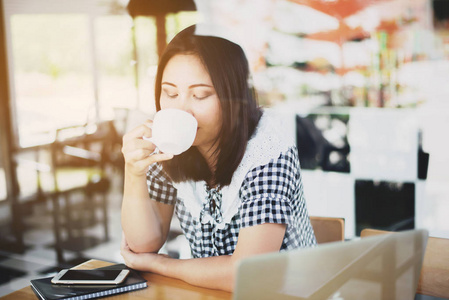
point(228, 68)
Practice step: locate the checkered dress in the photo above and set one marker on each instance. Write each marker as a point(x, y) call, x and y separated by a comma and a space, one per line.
point(270, 193)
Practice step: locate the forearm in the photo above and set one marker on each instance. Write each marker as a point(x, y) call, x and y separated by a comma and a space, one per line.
point(215, 272)
point(141, 222)
point(218, 272)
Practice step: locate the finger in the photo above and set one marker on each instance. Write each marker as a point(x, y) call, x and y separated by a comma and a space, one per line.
point(124, 254)
point(145, 163)
point(143, 142)
point(137, 155)
point(129, 258)
point(141, 166)
point(148, 123)
point(137, 148)
point(138, 132)
point(161, 157)
point(123, 243)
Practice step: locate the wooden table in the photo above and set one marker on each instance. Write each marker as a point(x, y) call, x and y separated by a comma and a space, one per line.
point(434, 279)
point(159, 287)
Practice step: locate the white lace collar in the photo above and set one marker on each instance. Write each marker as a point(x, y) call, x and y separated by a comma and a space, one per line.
point(268, 142)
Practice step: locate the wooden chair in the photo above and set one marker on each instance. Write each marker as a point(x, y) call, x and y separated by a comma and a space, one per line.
point(370, 232)
point(434, 278)
point(328, 229)
point(73, 172)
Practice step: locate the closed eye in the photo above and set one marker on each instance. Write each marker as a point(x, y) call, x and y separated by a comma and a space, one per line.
point(200, 97)
point(170, 94)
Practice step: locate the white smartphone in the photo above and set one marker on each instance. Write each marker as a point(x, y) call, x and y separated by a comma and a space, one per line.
point(69, 276)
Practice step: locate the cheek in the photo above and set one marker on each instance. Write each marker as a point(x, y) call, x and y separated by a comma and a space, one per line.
point(165, 103)
point(218, 117)
point(218, 121)
point(210, 116)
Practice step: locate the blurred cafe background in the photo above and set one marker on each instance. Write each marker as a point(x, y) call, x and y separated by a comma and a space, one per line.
point(363, 86)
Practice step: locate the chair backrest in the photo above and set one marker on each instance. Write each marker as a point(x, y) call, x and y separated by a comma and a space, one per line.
point(433, 280)
point(370, 232)
point(328, 229)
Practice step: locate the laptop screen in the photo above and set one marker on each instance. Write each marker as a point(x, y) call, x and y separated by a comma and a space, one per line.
point(379, 267)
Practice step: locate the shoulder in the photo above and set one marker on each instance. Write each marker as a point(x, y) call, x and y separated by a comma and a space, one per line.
point(268, 142)
point(271, 127)
point(280, 176)
point(285, 162)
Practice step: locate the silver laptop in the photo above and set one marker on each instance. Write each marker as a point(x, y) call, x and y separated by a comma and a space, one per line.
point(383, 267)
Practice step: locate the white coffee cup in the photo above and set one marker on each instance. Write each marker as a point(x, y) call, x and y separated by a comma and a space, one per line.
point(173, 130)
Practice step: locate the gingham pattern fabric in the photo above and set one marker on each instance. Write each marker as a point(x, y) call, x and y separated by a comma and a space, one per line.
point(212, 206)
point(271, 193)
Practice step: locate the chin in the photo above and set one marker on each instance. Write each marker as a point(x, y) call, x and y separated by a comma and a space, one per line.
point(196, 141)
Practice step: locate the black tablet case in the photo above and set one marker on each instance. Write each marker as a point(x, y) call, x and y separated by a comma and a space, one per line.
point(45, 290)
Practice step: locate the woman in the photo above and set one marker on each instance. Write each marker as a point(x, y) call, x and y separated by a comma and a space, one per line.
point(237, 191)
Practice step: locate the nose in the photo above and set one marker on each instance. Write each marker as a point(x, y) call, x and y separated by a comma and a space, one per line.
point(185, 104)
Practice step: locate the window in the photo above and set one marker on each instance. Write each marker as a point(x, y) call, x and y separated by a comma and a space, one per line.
point(71, 69)
point(52, 74)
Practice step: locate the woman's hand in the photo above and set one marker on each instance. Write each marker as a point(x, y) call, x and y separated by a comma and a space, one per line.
point(138, 152)
point(146, 223)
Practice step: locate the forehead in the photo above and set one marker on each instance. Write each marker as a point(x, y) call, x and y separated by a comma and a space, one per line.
point(186, 69)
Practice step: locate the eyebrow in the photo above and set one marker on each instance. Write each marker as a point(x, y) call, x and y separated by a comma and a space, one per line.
point(190, 87)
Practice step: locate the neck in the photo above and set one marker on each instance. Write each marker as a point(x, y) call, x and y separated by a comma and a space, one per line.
point(210, 155)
